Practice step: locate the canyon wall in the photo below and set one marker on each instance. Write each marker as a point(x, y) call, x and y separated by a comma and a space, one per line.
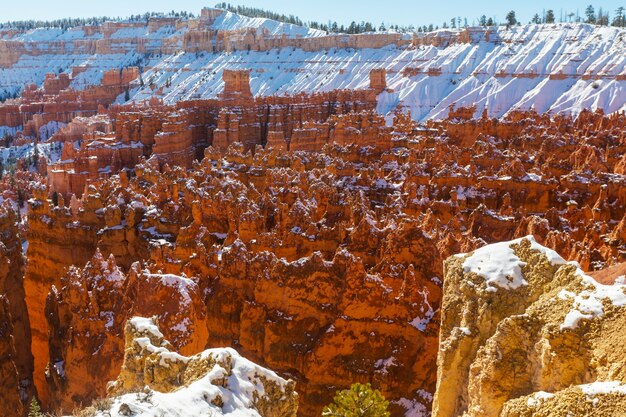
point(294, 253)
point(274, 201)
point(214, 382)
point(184, 59)
point(16, 331)
point(525, 333)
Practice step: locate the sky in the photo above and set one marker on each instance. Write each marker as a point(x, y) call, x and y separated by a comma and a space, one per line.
point(401, 12)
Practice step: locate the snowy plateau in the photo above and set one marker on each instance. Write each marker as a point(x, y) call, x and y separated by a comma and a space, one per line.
point(559, 68)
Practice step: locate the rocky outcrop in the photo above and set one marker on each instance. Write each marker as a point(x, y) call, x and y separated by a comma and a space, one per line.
point(178, 135)
point(86, 317)
point(257, 229)
point(11, 404)
point(595, 400)
point(13, 301)
point(216, 382)
point(525, 333)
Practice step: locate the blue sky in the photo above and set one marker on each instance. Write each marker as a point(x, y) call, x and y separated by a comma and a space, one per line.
point(403, 12)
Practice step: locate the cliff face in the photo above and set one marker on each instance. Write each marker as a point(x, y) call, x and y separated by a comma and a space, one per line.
point(525, 333)
point(325, 266)
point(474, 66)
point(16, 327)
point(156, 380)
point(86, 317)
point(9, 377)
point(281, 206)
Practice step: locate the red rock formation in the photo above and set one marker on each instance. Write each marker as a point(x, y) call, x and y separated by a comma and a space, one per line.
point(86, 318)
point(378, 79)
point(55, 102)
point(11, 404)
point(308, 226)
point(236, 85)
point(13, 301)
point(300, 256)
point(177, 135)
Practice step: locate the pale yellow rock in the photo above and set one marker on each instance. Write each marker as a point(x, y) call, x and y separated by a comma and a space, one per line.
point(499, 346)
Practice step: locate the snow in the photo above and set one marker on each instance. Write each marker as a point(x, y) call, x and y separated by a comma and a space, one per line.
point(8, 156)
point(383, 365)
point(59, 367)
point(243, 386)
point(498, 264)
point(194, 400)
point(538, 397)
point(146, 325)
point(233, 21)
point(500, 267)
point(477, 73)
point(466, 331)
point(589, 303)
point(414, 407)
point(604, 388)
point(418, 322)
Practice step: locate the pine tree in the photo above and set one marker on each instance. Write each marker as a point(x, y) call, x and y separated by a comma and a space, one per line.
point(619, 17)
point(34, 409)
point(602, 18)
point(511, 20)
point(483, 21)
point(359, 401)
point(536, 19)
point(550, 16)
point(591, 14)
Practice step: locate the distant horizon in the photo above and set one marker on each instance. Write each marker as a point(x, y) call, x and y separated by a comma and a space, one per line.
point(393, 12)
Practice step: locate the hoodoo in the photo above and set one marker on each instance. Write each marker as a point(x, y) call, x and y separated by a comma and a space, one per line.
point(238, 213)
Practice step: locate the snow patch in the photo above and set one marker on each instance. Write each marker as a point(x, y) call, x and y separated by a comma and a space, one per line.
point(146, 325)
point(500, 267)
point(588, 304)
point(538, 397)
point(604, 388)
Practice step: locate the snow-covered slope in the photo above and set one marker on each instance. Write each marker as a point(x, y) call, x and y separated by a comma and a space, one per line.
point(555, 68)
point(233, 21)
point(155, 382)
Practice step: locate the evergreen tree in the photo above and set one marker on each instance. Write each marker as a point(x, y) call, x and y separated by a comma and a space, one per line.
point(591, 14)
point(483, 21)
point(359, 401)
point(602, 18)
point(34, 409)
point(536, 19)
point(490, 22)
point(619, 17)
point(550, 16)
point(511, 20)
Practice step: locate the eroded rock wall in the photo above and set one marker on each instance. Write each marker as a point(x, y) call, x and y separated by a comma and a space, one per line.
point(525, 333)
